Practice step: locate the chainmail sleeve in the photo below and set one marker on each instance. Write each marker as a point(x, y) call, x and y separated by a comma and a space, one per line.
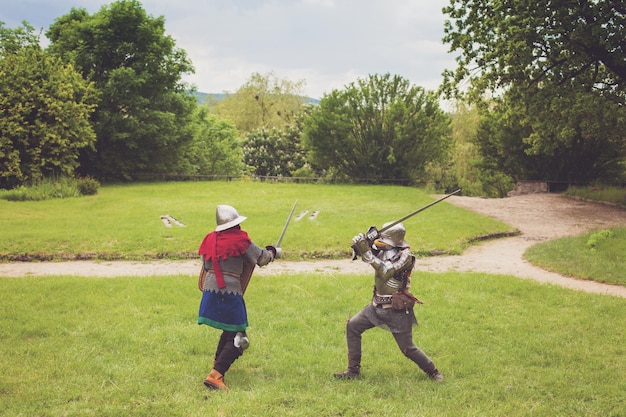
point(258, 256)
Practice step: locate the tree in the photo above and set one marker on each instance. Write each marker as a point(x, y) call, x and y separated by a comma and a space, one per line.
point(263, 102)
point(215, 149)
point(45, 106)
point(557, 69)
point(273, 152)
point(379, 128)
point(465, 155)
point(144, 115)
point(278, 152)
point(575, 136)
point(537, 43)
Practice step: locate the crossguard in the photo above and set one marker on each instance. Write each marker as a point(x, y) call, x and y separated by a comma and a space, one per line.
point(372, 234)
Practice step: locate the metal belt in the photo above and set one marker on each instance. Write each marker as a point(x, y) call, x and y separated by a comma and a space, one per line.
point(382, 299)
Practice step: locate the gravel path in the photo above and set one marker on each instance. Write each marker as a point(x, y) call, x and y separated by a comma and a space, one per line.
point(538, 217)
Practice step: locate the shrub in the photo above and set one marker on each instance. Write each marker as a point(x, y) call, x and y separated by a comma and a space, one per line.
point(595, 238)
point(45, 189)
point(88, 186)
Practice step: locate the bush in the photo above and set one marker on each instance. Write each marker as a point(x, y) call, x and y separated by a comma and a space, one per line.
point(88, 186)
point(49, 188)
point(595, 238)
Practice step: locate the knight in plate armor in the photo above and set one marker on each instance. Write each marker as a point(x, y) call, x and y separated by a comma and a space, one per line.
point(228, 260)
point(392, 260)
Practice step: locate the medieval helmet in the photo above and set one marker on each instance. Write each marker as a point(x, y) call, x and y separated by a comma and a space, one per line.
point(227, 217)
point(394, 236)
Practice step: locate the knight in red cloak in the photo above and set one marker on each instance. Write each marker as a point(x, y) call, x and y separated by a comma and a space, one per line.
point(228, 260)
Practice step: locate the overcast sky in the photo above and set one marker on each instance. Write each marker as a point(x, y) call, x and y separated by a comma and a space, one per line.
point(326, 43)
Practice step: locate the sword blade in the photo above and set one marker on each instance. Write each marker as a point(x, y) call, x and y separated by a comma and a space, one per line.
point(389, 226)
point(280, 239)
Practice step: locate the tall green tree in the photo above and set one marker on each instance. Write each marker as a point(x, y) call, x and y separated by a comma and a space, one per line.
point(278, 152)
point(560, 65)
point(215, 149)
point(144, 115)
point(45, 107)
point(378, 128)
point(537, 43)
point(265, 101)
point(274, 152)
point(575, 136)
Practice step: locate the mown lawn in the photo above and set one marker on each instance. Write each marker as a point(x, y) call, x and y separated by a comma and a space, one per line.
point(131, 346)
point(599, 255)
point(124, 221)
point(73, 346)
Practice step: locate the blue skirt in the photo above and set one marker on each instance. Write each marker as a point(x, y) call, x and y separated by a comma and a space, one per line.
point(223, 310)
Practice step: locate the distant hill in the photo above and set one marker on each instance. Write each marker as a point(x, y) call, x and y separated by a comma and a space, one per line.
point(215, 97)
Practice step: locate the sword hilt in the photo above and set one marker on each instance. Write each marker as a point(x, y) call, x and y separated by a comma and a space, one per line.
point(371, 235)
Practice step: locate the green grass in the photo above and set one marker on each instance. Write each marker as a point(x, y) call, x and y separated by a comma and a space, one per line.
point(48, 188)
point(599, 255)
point(607, 194)
point(123, 221)
point(131, 346)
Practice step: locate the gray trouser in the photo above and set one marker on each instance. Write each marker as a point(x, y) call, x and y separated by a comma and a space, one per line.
point(360, 323)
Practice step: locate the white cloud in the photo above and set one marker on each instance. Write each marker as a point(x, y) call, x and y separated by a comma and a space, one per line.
point(328, 43)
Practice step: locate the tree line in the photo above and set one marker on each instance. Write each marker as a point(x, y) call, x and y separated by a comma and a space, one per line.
point(538, 94)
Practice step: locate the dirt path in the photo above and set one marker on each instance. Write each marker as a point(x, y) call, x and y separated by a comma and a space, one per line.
point(538, 217)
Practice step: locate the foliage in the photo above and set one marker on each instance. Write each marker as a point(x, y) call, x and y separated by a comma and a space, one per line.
point(45, 189)
point(46, 107)
point(275, 152)
point(14, 40)
point(574, 136)
point(88, 185)
point(145, 111)
point(461, 170)
point(559, 65)
point(215, 148)
point(537, 43)
point(580, 134)
point(131, 346)
point(597, 255)
point(124, 221)
point(465, 166)
point(597, 237)
point(377, 128)
point(263, 102)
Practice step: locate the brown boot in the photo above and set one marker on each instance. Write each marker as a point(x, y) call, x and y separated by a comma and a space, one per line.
point(354, 368)
point(215, 380)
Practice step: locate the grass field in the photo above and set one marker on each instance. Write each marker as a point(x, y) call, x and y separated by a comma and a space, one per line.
point(131, 346)
point(123, 222)
point(599, 256)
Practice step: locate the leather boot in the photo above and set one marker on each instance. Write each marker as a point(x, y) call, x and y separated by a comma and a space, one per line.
point(215, 380)
point(354, 368)
point(435, 375)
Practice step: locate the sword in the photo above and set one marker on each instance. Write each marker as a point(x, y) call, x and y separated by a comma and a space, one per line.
point(373, 233)
point(248, 267)
point(280, 239)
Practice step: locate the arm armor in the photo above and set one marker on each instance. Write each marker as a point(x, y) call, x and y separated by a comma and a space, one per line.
point(265, 258)
point(389, 268)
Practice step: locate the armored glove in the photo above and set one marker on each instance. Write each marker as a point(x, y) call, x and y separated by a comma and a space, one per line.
point(361, 244)
point(276, 252)
point(363, 247)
